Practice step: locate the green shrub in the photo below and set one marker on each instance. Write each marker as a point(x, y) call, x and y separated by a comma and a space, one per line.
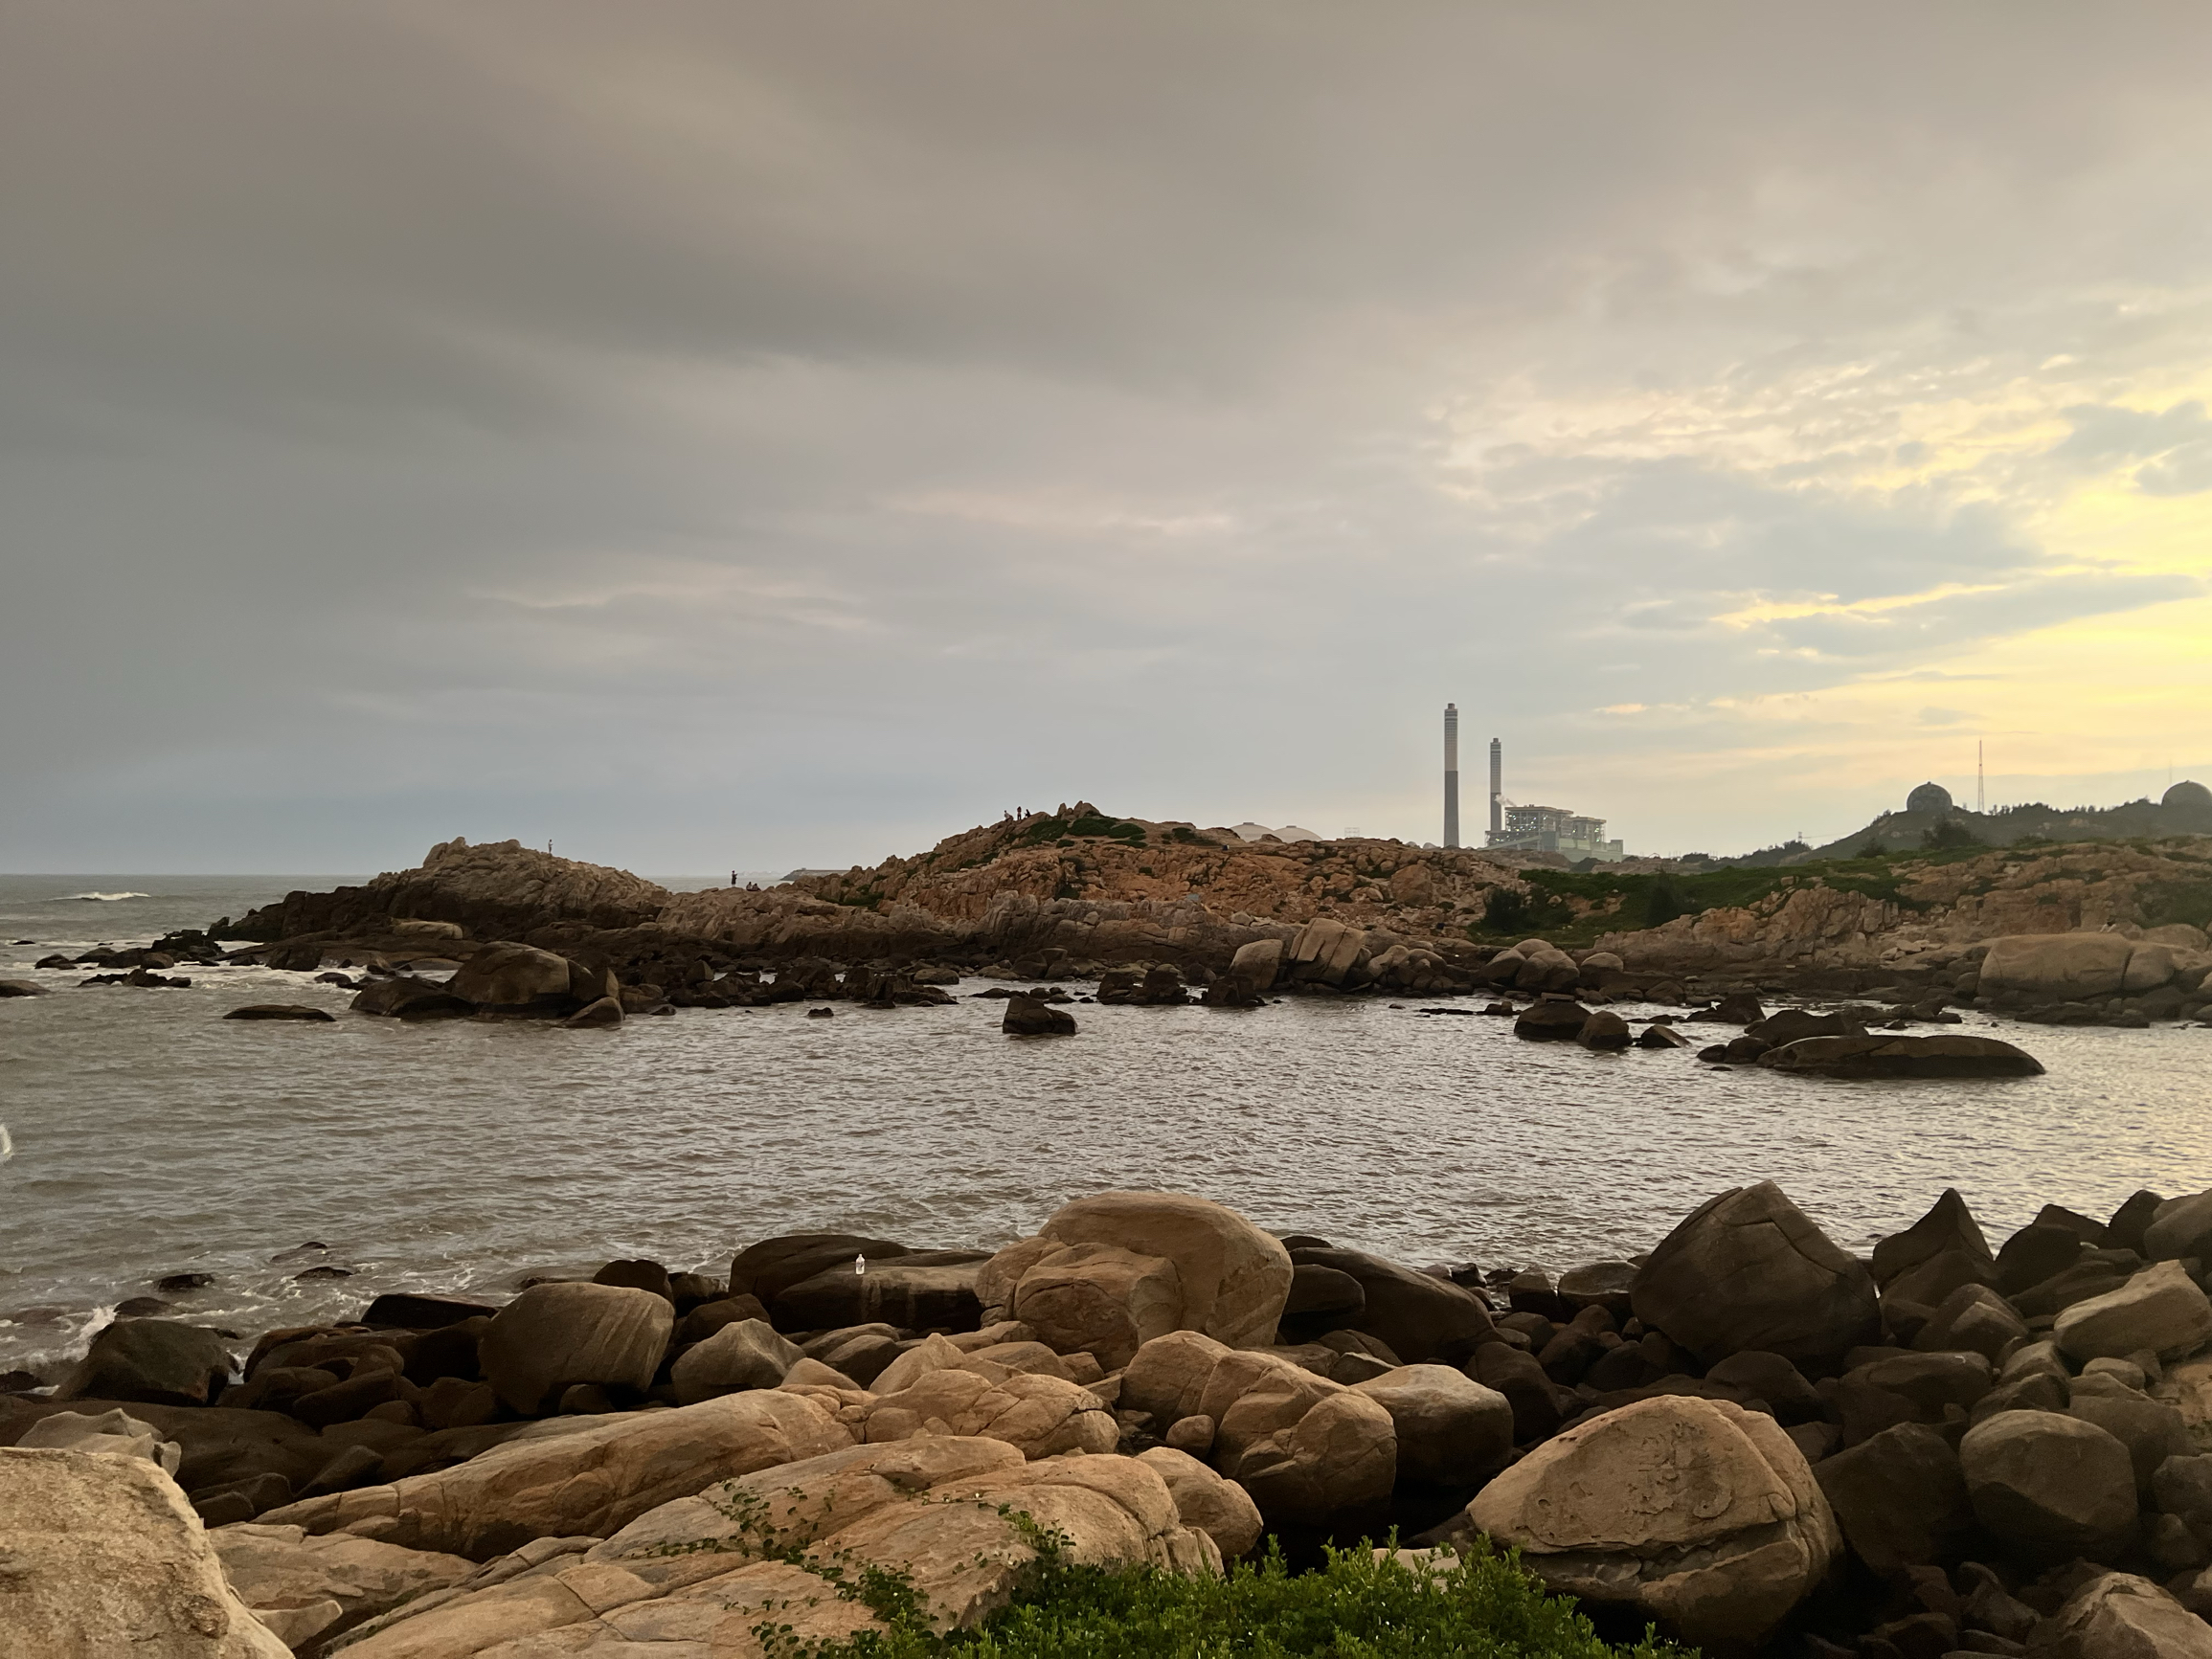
point(1479, 1607)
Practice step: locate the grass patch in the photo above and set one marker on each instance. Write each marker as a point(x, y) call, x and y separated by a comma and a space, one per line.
point(1615, 903)
point(1479, 1607)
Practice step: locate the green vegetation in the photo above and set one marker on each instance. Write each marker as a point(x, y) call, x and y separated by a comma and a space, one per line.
point(1479, 1607)
point(1058, 829)
point(1948, 834)
point(2165, 903)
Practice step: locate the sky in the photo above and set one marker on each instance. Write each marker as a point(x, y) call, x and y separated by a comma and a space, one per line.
point(756, 435)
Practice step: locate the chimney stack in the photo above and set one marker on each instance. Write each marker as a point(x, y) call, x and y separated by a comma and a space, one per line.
point(1497, 787)
point(1451, 774)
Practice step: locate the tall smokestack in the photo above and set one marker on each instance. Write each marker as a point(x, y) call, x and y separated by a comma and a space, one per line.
point(1497, 786)
point(1451, 774)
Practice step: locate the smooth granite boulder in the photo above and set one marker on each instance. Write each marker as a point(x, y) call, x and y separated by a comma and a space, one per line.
point(2160, 1309)
point(553, 1336)
point(2049, 1485)
point(2120, 1616)
point(1748, 1270)
point(1452, 1430)
point(1691, 1510)
point(153, 1362)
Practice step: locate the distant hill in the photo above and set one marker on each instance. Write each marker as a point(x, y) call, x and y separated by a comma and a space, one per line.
point(1931, 818)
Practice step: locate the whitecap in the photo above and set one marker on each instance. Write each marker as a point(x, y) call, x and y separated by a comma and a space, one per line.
point(111, 898)
point(7, 1145)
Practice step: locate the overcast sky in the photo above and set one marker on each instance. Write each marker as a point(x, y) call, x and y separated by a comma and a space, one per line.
point(756, 435)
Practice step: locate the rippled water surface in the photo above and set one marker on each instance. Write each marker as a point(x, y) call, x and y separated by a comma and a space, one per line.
point(150, 1136)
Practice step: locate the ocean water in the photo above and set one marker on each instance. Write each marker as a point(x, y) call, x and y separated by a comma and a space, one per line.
point(146, 1136)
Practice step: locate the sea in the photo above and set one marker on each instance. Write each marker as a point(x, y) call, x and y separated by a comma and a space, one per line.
point(142, 1135)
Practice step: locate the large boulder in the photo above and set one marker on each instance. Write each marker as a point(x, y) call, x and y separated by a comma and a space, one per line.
point(555, 1336)
point(768, 1269)
point(1028, 1016)
point(101, 1554)
point(1039, 1415)
point(153, 1361)
point(513, 977)
point(1947, 1227)
point(1900, 1497)
point(1418, 1317)
point(1691, 1510)
point(2159, 1308)
point(1452, 1430)
point(577, 1476)
point(1889, 1056)
point(1258, 961)
point(1106, 1275)
point(746, 1354)
point(1747, 1271)
point(920, 1291)
point(2119, 1616)
point(2049, 1485)
point(1219, 1508)
point(2055, 967)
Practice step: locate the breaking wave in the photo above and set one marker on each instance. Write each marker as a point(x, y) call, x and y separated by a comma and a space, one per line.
point(109, 898)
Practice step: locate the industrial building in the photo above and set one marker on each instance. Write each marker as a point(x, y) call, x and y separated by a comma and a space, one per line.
point(1527, 829)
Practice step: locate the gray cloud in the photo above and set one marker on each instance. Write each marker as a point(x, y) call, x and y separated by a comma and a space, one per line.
point(755, 433)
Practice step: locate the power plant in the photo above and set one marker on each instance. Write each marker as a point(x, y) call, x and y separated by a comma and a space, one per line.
point(1528, 829)
point(1451, 774)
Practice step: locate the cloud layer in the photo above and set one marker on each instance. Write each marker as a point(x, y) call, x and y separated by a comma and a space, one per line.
point(760, 435)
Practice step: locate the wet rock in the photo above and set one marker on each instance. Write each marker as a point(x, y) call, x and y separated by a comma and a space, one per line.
point(1747, 1271)
point(2049, 1485)
point(513, 977)
point(606, 1011)
point(1605, 1031)
point(21, 988)
point(1902, 1056)
point(923, 1290)
point(1551, 1021)
point(155, 1361)
point(1661, 1036)
point(283, 1011)
point(419, 1310)
point(1691, 1510)
point(1027, 1015)
point(406, 998)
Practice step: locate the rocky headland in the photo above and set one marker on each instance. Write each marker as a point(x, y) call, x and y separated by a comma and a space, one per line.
point(1748, 1435)
point(2103, 932)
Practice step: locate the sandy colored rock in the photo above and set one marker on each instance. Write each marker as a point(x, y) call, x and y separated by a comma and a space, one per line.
point(2050, 1484)
point(1339, 1457)
point(1234, 1277)
point(104, 1557)
point(1100, 1299)
point(279, 1568)
point(588, 1480)
point(1215, 1505)
point(553, 1336)
point(1688, 1510)
point(747, 1354)
point(2160, 1309)
point(1041, 1416)
point(2119, 1616)
point(1450, 1430)
point(2056, 967)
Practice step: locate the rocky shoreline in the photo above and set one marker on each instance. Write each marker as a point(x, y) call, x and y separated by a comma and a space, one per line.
point(1749, 1434)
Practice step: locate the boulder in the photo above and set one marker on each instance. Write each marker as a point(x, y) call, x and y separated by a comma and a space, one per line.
point(2120, 1616)
point(512, 977)
point(2054, 967)
point(923, 1290)
point(772, 1266)
point(573, 1477)
point(283, 1011)
point(114, 1431)
point(1206, 1503)
point(1551, 1021)
point(1656, 1036)
point(1039, 1415)
point(2179, 1227)
point(153, 1361)
point(1747, 1271)
point(1691, 1510)
point(1418, 1317)
point(1972, 1318)
point(103, 1556)
point(1028, 1016)
point(1338, 1458)
point(553, 1336)
point(1947, 1227)
point(2050, 1486)
point(2160, 1309)
point(1258, 961)
point(1888, 1056)
point(745, 1355)
point(1900, 1497)
point(1452, 1430)
point(404, 997)
point(1107, 1273)
point(2037, 1253)
point(21, 988)
point(1605, 1032)
point(2151, 1432)
point(591, 1016)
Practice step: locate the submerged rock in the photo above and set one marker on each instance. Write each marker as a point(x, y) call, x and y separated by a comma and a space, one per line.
point(1902, 1056)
